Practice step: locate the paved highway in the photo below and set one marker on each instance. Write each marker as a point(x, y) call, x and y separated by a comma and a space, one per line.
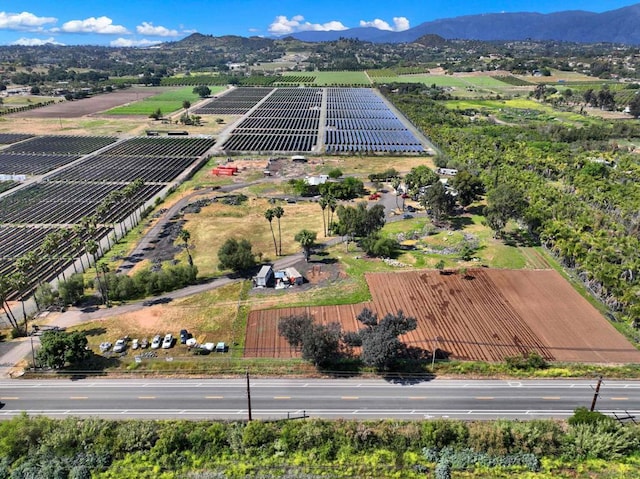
point(344, 398)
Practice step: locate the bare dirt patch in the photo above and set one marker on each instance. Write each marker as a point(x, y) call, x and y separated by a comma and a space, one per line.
point(88, 106)
point(486, 315)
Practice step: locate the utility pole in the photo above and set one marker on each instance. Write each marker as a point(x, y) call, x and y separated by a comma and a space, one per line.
point(595, 394)
point(248, 396)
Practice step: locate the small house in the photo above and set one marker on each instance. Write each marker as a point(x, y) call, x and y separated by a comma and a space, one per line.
point(264, 277)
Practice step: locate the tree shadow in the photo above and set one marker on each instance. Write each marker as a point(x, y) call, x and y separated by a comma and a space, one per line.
point(95, 331)
point(460, 222)
point(519, 238)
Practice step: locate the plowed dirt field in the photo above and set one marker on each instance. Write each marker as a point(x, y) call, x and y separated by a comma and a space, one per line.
point(486, 315)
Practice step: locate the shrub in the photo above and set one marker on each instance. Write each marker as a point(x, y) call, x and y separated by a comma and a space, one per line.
point(530, 361)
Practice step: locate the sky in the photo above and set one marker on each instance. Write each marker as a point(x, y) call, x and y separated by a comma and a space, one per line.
point(140, 23)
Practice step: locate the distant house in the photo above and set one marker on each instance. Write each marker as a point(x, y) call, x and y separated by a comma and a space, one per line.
point(316, 180)
point(264, 278)
point(447, 171)
point(295, 278)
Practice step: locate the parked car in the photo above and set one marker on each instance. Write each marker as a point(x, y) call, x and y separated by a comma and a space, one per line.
point(184, 335)
point(156, 341)
point(120, 346)
point(135, 344)
point(167, 342)
point(106, 346)
point(407, 216)
point(144, 344)
point(411, 209)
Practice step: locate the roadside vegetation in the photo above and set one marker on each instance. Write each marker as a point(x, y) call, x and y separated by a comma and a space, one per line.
point(590, 446)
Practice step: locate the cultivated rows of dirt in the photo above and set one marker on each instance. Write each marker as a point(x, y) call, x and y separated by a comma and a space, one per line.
point(484, 315)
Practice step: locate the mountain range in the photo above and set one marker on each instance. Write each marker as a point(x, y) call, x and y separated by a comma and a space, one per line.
point(615, 26)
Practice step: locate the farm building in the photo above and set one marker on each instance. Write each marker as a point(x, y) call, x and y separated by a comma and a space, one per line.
point(288, 277)
point(264, 277)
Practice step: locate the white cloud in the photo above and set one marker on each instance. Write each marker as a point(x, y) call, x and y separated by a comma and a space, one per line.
point(127, 42)
point(23, 21)
point(101, 25)
point(147, 28)
point(400, 24)
point(283, 26)
point(32, 42)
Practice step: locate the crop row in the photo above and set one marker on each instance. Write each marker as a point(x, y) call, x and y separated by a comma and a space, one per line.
point(166, 147)
point(31, 163)
point(8, 138)
point(61, 145)
point(126, 169)
point(67, 203)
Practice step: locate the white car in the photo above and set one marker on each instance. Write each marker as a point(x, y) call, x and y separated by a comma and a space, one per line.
point(120, 346)
point(156, 341)
point(167, 342)
point(135, 344)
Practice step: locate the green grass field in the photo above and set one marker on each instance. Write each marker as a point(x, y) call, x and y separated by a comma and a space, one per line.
point(167, 102)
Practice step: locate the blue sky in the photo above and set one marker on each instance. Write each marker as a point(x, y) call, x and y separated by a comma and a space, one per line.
point(146, 22)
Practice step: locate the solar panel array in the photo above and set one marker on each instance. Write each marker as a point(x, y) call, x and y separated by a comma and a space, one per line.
point(288, 120)
point(237, 102)
point(359, 121)
point(40, 155)
point(8, 138)
point(356, 120)
point(28, 214)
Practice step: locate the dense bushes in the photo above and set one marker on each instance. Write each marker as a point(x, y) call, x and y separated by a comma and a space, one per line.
point(150, 283)
point(71, 448)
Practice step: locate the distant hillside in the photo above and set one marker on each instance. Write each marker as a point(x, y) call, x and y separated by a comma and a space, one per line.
point(615, 26)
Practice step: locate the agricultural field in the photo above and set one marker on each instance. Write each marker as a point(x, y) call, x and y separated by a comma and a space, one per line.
point(87, 106)
point(337, 78)
point(167, 101)
point(483, 314)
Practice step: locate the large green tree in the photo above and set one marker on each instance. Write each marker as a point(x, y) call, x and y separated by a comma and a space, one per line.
point(419, 177)
point(236, 255)
point(381, 347)
point(469, 187)
point(438, 201)
point(59, 349)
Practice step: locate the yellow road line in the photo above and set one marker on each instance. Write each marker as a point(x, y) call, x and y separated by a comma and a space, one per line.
point(551, 398)
point(350, 398)
point(416, 398)
point(79, 397)
point(9, 398)
point(146, 397)
point(214, 397)
point(484, 398)
point(282, 397)
point(619, 399)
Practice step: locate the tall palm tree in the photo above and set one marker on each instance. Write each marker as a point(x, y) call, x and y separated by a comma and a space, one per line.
point(6, 287)
point(333, 204)
point(323, 202)
point(26, 264)
point(185, 236)
point(91, 247)
point(269, 215)
point(306, 239)
point(278, 212)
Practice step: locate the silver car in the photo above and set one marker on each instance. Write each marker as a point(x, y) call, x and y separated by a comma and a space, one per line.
point(156, 341)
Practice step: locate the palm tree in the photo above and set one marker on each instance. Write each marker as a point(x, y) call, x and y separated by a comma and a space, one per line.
point(269, 215)
point(278, 211)
point(333, 204)
point(186, 104)
point(185, 236)
point(395, 183)
point(323, 202)
point(91, 246)
point(26, 264)
point(6, 287)
point(306, 239)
